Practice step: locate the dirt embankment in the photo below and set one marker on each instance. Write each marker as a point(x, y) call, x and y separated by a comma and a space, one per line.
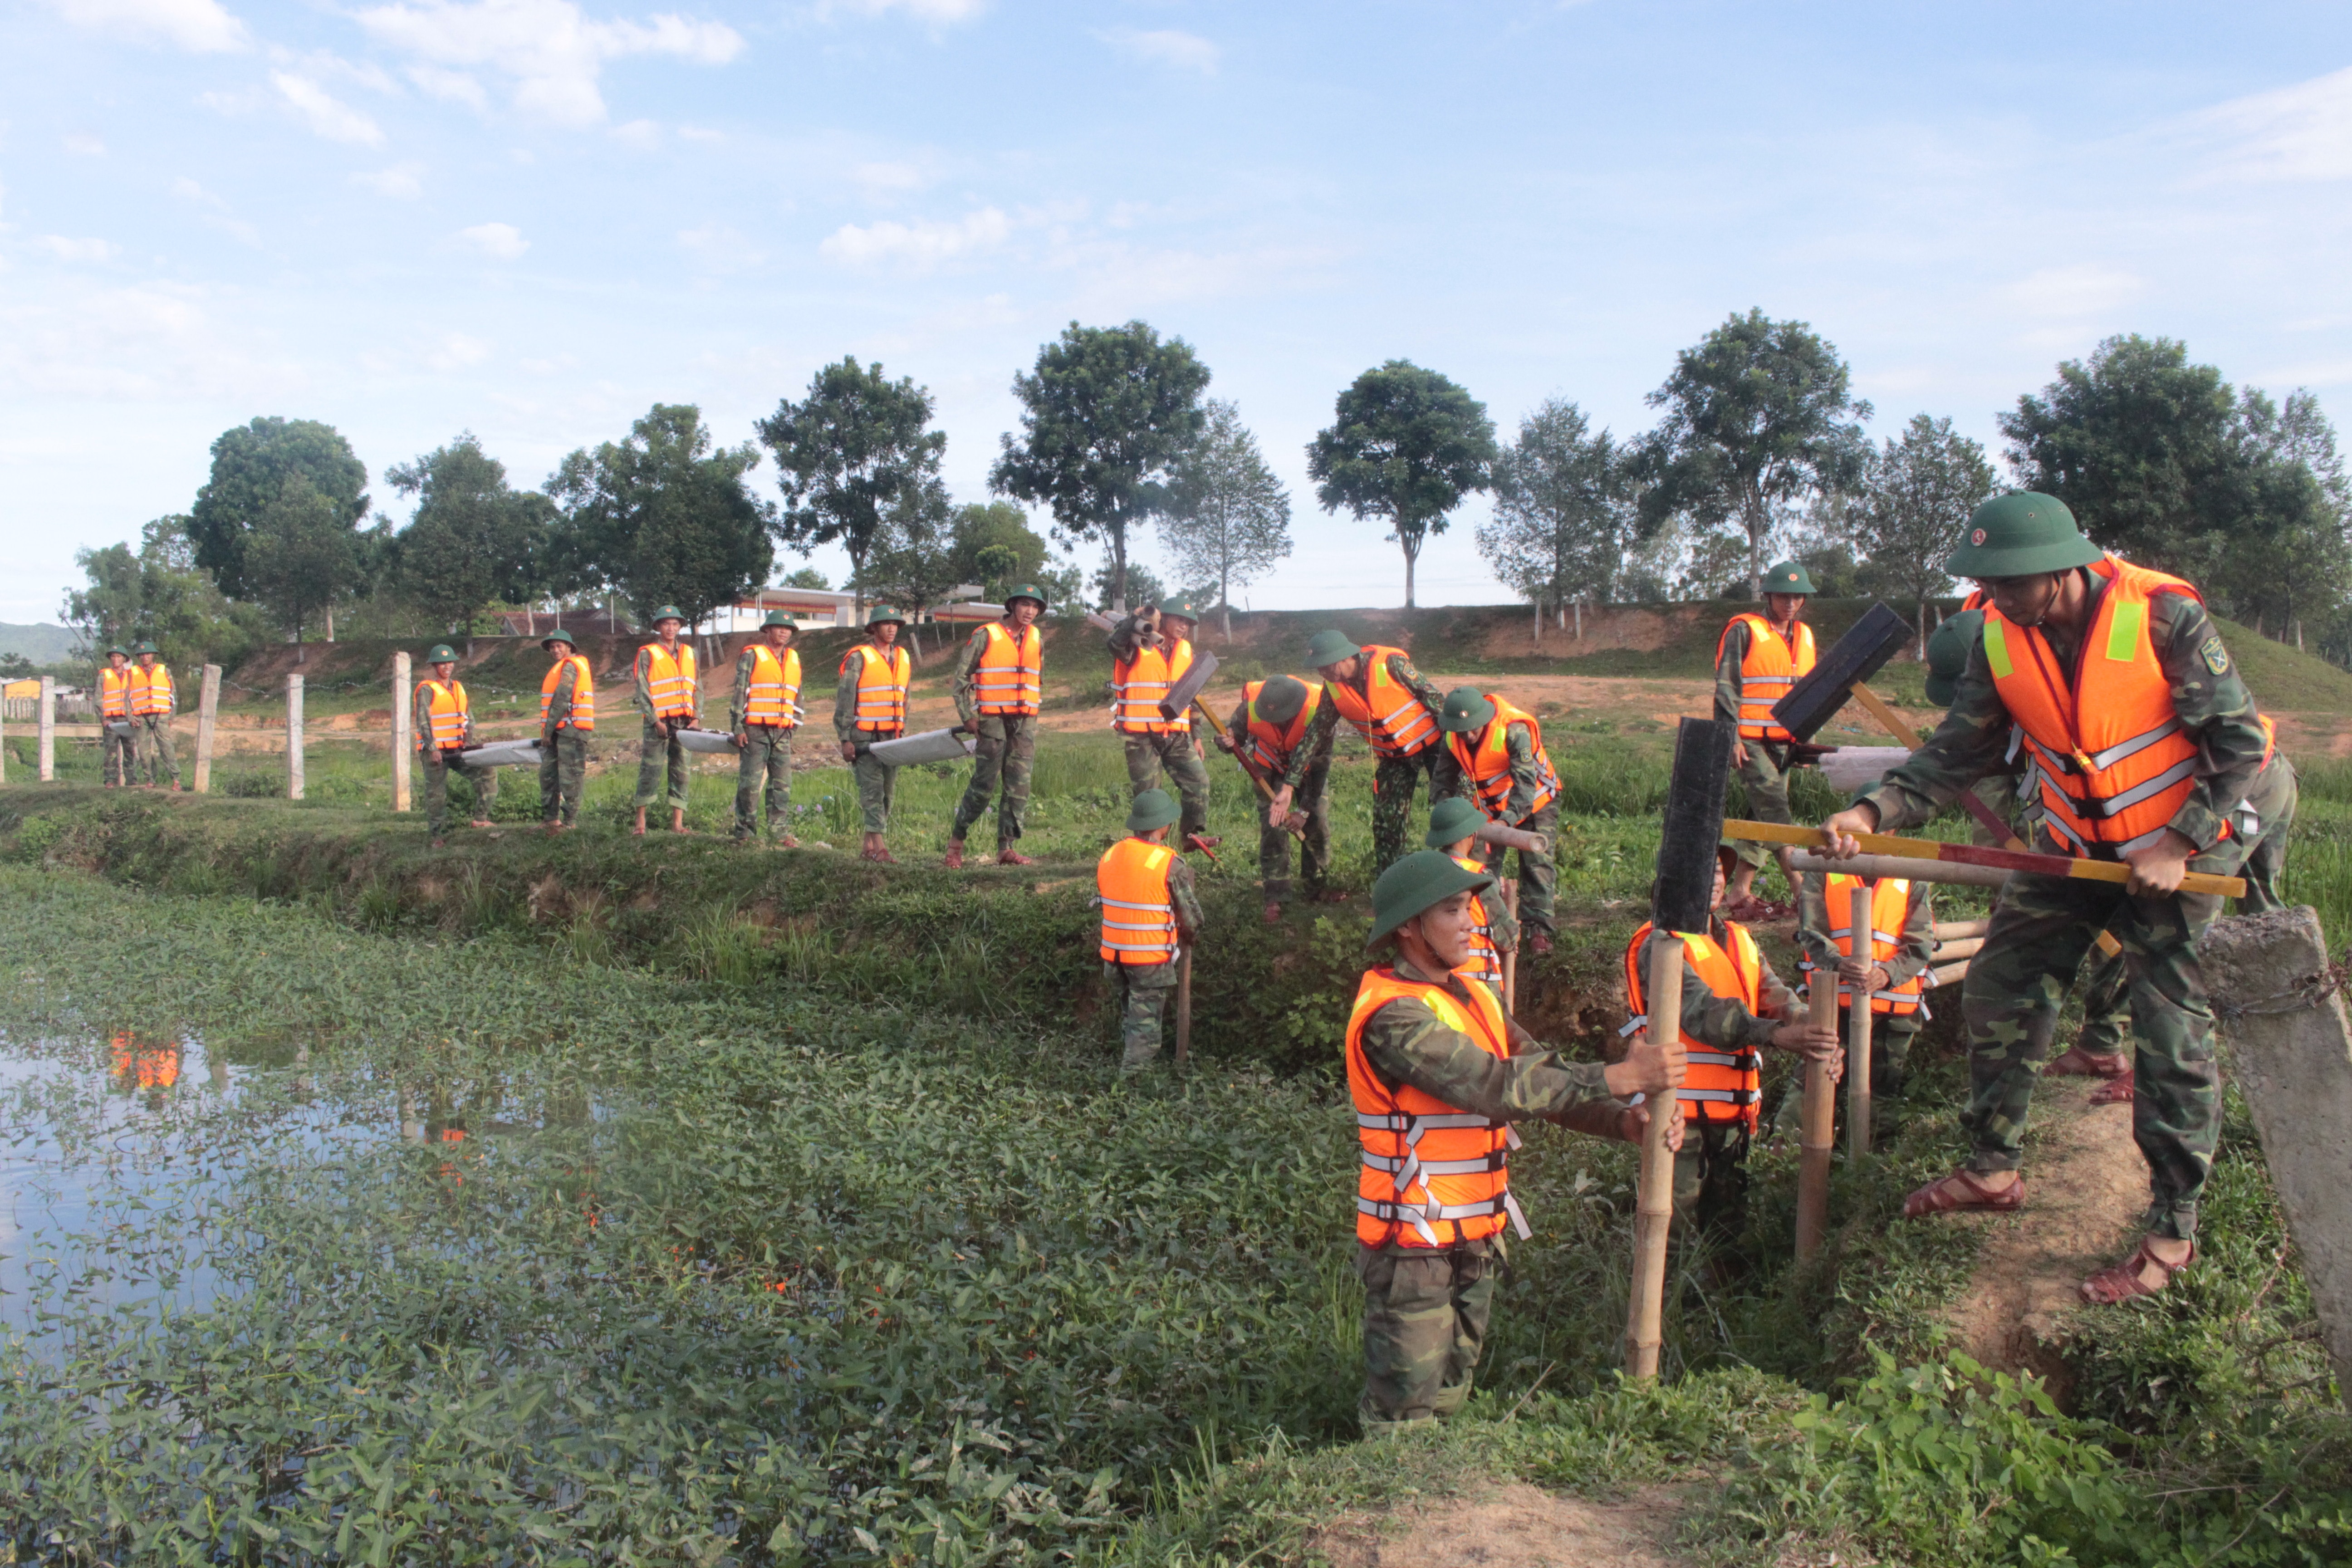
point(1512, 1526)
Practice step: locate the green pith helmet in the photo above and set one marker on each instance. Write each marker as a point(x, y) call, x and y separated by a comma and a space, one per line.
point(1948, 655)
point(881, 613)
point(1181, 608)
point(138, 647)
point(665, 613)
point(2020, 534)
point(1422, 879)
point(1151, 809)
point(1466, 708)
point(1026, 590)
point(1280, 699)
point(558, 634)
point(1331, 646)
point(113, 648)
point(1787, 577)
point(1451, 820)
point(779, 618)
point(442, 654)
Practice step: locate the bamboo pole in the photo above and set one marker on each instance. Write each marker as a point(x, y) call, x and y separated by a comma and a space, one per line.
point(207, 717)
point(403, 718)
point(1817, 1129)
point(1947, 929)
point(1857, 1031)
point(294, 737)
point(1877, 868)
point(1949, 974)
point(1959, 947)
point(1184, 1007)
point(2027, 860)
point(49, 728)
point(1511, 958)
point(1654, 1207)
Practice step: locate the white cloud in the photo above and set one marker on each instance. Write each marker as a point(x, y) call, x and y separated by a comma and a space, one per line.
point(217, 214)
point(918, 245)
point(85, 146)
point(65, 249)
point(700, 133)
point(2085, 288)
point(198, 24)
point(2299, 132)
point(401, 181)
point(456, 86)
point(1167, 47)
point(501, 240)
point(554, 53)
point(938, 13)
point(638, 133)
point(456, 351)
point(324, 113)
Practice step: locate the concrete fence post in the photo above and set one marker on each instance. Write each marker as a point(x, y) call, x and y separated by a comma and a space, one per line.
point(293, 737)
point(207, 715)
point(402, 719)
point(4, 743)
point(49, 728)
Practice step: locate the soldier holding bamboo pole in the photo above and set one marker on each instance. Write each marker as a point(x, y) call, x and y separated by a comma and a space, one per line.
point(1264, 734)
point(1883, 969)
point(1395, 706)
point(1494, 753)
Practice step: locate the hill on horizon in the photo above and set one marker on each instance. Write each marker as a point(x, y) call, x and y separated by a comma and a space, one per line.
point(41, 643)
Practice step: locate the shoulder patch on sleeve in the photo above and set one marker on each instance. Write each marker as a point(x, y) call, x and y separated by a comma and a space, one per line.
point(2216, 657)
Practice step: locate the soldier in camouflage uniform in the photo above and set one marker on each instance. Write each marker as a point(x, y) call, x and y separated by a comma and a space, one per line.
point(1154, 643)
point(666, 714)
point(118, 749)
point(567, 713)
point(1764, 763)
point(1342, 664)
point(764, 744)
point(1279, 703)
point(1529, 801)
point(2050, 586)
point(1420, 1047)
point(445, 728)
point(1002, 722)
point(880, 659)
point(1140, 987)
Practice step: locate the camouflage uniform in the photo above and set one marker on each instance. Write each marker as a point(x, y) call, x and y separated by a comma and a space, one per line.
point(1142, 990)
point(1765, 774)
point(439, 766)
point(877, 781)
point(767, 751)
point(2043, 925)
point(1004, 747)
point(1426, 1309)
point(1147, 754)
point(158, 754)
point(1312, 796)
point(1538, 875)
point(1711, 1167)
point(655, 748)
point(1890, 1036)
point(117, 756)
point(1393, 779)
point(562, 756)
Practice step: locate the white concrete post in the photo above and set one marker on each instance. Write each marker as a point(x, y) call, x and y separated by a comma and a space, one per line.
point(401, 719)
point(4, 743)
point(207, 715)
point(293, 737)
point(48, 732)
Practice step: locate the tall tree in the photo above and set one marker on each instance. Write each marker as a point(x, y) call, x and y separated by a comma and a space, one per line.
point(995, 547)
point(473, 539)
point(1405, 447)
point(1563, 511)
point(1104, 417)
point(1228, 518)
point(914, 564)
point(251, 464)
point(1759, 413)
point(156, 594)
point(1914, 501)
point(857, 444)
point(301, 556)
point(664, 516)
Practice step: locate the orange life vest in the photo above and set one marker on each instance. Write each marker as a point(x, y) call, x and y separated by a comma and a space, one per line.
point(151, 691)
point(1429, 1175)
point(1139, 917)
point(669, 681)
point(441, 710)
point(2107, 759)
point(1486, 961)
point(137, 1063)
point(1390, 715)
point(583, 692)
point(1772, 667)
point(773, 695)
point(1487, 763)
point(1270, 745)
point(1009, 676)
point(1721, 1085)
point(1890, 906)
point(115, 692)
point(1138, 684)
point(882, 677)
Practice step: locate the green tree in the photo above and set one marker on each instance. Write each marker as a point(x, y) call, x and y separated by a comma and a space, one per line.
point(914, 565)
point(250, 465)
point(1106, 414)
point(1758, 416)
point(995, 547)
point(1564, 512)
point(1136, 578)
point(1914, 498)
point(301, 556)
point(1228, 518)
point(664, 516)
point(807, 577)
point(1406, 446)
point(858, 444)
point(474, 539)
point(156, 594)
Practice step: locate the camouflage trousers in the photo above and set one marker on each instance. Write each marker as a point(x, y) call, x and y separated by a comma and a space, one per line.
point(1394, 779)
point(157, 750)
point(1999, 794)
point(767, 752)
point(439, 766)
point(2271, 804)
point(1312, 796)
point(1538, 875)
point(654, 752)
point(1767, 783)
point(1147, 755)
point(562, 775)
point(1711, 1177)
point(1425, 1316)
point(1004, 747)
point(117, 756)
point(1140, 991)
point(878, 782)
point(2042, 927)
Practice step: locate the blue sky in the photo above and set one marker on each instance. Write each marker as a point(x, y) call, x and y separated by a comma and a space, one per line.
point(532, 219)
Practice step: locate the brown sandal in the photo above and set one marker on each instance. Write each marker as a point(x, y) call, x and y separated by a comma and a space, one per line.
point(2080, 1063)
point(1937, 1197)
point(2122, 1282)
point(2114, 1091)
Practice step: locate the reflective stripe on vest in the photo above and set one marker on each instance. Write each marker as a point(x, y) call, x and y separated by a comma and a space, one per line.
point(1721, 1085)
point(1428, 1174)
point(882, 675)
point(583, 692)
point(1488, 763)
point(115, 692)
point(1391, 717)
point(1139, 917)
point(1270, 745)
point(2110, 764)
point(772, 697)
point(1485, 962)
point(1007, 679)
point(1890, 906)
point(441, 714)
point(1772, 666)
point(1138, 686)
point(670, 680)
point(151, 691)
